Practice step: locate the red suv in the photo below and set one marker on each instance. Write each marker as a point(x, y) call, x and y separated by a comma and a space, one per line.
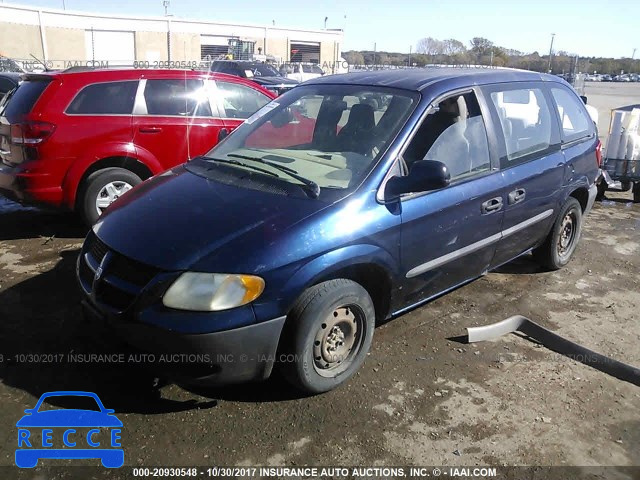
point(80, 139)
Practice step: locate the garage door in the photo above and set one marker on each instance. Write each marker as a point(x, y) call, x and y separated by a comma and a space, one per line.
point(308, 52)
point(213, 46)
point(116, 47)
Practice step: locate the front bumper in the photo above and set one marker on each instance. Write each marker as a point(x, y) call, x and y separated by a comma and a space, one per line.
point(238, 355)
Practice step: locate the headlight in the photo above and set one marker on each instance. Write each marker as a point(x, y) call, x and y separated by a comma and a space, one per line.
point(212, 291)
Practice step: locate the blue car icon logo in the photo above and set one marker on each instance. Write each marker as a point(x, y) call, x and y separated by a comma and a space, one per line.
point(69, 433)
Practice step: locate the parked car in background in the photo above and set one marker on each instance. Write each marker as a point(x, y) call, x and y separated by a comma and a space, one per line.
point(9, 65)
point(263, 74)
point(302, 72)
point(81, 139)
point(287, 243)
point(8, 81)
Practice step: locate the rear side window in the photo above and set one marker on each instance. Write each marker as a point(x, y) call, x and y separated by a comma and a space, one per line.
point(240, 101)
point(109, 98)
point(574, 118)
point(177, 97)
point(24, 98)
point(525, 119)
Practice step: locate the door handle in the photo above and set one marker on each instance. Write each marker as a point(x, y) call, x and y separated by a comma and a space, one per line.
point(493, 205)
point(223, 134)
point(149, 129)
point(517, 196)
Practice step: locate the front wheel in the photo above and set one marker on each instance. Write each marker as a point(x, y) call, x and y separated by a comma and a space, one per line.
point(328, 334)
point(558, 248)
point(102, 188)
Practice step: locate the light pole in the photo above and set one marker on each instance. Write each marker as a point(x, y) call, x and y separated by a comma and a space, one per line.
point(553, 35)
point(325, 22)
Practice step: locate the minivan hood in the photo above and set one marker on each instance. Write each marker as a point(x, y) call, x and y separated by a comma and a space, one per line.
point(174, 220)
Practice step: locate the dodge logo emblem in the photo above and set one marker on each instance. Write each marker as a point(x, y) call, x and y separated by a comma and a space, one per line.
point(98, 273)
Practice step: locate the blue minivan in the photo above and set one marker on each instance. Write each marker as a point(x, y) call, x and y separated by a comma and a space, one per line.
point(326, 212)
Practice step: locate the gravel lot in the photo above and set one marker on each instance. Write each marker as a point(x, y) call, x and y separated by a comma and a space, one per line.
point(422, 394)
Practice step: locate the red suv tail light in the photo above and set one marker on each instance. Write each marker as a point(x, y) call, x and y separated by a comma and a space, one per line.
point(31, 133)
point(599, 153)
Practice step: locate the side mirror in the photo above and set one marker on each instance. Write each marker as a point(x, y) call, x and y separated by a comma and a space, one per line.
point(424, 176)
point(584, 99)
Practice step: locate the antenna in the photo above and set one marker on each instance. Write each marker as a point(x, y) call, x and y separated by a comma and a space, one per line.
point(40, 62)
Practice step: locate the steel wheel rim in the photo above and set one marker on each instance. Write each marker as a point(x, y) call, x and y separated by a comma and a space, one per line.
point(338, 340)
point(568, 230)
point(110, 193)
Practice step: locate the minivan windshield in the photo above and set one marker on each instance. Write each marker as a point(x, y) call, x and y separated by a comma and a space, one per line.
point(322, 139)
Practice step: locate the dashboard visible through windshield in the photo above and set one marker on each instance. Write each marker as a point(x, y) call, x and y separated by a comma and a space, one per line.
point(319, 137)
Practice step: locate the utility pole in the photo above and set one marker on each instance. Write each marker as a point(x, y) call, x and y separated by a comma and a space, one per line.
point(553, 35)
point(633, 55)
point(166, 4)
point(410, 55)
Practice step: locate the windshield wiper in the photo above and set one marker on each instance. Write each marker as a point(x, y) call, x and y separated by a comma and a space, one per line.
point(240, 164)
point(313, 190)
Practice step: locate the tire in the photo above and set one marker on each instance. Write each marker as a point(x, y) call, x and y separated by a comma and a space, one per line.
point(560, 244)
point(328, 335)
point(625, 186)
point(636, 192)
point(97, 186)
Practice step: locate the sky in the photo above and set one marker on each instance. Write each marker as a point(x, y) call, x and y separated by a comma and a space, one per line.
point(585, 27)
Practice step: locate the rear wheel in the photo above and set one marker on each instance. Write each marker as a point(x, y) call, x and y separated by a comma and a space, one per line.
point(636, 192)
point(558, 248)
point(102, 189)
point(328, 335)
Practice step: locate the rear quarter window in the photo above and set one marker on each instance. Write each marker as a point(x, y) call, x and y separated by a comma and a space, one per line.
point(574, 118)
point(24, 98)
point(109, 98)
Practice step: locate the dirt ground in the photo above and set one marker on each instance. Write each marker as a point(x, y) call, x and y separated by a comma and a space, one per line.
point(423, 397)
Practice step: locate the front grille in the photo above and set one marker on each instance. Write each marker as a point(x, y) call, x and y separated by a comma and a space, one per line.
point(121, 279)
point(97, 249)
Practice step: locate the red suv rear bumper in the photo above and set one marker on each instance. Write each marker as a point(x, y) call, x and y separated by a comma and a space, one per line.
point(28, 185)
